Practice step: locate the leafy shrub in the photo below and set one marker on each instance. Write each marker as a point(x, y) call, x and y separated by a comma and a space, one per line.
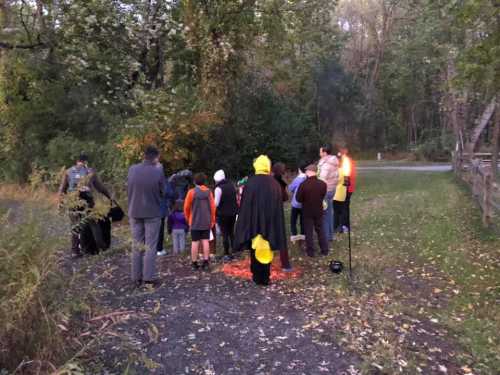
point(434, 149)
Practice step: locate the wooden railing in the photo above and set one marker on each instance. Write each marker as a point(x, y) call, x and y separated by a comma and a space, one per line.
point(475, 171)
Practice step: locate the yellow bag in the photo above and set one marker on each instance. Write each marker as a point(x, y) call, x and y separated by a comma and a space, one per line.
point(341, 191)
point(263, 251)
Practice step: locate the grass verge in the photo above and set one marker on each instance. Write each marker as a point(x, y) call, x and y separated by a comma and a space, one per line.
point(421, 248)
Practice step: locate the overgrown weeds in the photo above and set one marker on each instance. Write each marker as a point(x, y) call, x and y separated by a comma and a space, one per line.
point(30, 297)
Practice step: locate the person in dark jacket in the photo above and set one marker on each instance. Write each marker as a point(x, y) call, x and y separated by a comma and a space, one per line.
point(145, 189)
point(278, 170)
point(164, 210)
point(80, 180)
point(227, 207)
point(311, 194)
point(261, 221)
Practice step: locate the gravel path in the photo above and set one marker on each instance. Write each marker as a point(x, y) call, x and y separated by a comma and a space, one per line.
point(208, 323)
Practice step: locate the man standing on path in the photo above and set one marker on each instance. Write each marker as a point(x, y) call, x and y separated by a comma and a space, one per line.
point(80, 180)
point(311, 194)
point(261, 222)
point(145, 188)
point(227, 208)
point(328, 167)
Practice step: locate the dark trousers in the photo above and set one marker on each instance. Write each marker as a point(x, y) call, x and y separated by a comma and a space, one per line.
point(311, 225)
point(260, 272)
point(295, 216)
point(226, 225)
point(338, 214)
point(346, 218)
point(341, 213)
point(161, 235)
point(285, 261)
point(75, 218)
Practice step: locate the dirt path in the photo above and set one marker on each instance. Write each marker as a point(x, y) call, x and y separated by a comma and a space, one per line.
point(206, 323)
point(210, 323)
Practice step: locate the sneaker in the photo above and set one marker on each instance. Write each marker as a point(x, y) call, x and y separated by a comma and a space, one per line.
point(345, 229)
point(293, 238)
point(205, 265)
point(289, 269)
point(161, 253)
point(195, 266)
point(227, 258)
point(152, 283)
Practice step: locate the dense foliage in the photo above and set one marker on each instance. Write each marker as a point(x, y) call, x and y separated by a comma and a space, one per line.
point(215, 82)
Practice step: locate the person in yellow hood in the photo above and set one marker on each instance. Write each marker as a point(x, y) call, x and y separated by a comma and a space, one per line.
point(261, 220)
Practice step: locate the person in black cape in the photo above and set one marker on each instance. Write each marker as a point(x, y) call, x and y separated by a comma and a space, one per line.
point(261, 213)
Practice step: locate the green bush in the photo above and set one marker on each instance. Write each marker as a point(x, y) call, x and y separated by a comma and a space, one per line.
point(434, 149)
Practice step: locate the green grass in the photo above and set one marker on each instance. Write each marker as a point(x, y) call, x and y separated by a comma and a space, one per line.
point(427, 221)
point(396, 163)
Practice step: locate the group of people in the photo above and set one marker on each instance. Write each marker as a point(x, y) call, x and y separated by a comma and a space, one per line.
point(249, 215)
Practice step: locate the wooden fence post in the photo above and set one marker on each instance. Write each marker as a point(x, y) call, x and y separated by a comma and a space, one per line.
point(486, 198)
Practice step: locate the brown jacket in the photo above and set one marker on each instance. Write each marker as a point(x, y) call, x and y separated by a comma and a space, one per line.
point(311, 194)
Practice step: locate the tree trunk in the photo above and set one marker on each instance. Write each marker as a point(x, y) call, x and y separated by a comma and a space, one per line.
point(496, 141)
point(481, 124)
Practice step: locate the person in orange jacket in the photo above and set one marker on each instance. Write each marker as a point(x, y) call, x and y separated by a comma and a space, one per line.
point(199, 209)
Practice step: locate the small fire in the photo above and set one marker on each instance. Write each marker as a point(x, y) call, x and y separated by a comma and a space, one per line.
point(346, 166)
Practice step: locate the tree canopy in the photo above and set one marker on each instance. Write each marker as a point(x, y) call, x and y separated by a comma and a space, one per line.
point(215, 82)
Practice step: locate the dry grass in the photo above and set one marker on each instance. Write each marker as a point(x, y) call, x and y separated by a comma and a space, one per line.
point(27, 193)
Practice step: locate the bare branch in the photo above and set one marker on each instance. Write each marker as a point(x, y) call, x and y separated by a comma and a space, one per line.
point(4, 45)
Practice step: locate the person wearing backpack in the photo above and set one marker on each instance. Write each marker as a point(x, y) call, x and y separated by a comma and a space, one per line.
point(80, 180)
point(199, 210)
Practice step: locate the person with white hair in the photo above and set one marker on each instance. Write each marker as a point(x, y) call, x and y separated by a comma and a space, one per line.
point(226, 209)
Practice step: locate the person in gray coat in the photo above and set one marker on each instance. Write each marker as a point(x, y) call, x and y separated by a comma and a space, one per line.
point(145, 188)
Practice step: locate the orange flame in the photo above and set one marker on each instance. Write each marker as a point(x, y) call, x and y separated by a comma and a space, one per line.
point(346, 166)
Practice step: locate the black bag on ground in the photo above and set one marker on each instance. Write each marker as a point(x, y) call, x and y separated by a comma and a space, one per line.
point(115, 212)
point(95, 236)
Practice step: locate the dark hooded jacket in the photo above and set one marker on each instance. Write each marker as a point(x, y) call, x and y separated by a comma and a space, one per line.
point(261, 212)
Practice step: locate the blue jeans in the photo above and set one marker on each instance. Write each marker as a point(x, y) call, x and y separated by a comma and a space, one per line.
point(328, 217)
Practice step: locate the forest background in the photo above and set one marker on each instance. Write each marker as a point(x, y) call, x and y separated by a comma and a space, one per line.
point(216, 82)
